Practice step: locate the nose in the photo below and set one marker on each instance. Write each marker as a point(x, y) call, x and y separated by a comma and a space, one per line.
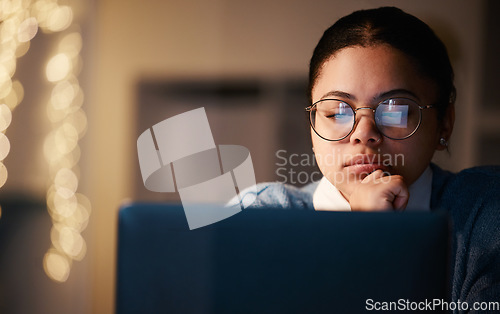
point(365, 130)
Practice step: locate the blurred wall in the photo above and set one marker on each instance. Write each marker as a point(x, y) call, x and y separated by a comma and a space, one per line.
point(129, 41)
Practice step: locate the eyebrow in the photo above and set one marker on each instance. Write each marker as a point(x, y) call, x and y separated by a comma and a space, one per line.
point(376, 98)
point(395, 92)
point(337, 93)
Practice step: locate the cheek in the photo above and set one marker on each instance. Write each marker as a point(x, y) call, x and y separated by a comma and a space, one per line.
point(328, 155)
point(411, 157)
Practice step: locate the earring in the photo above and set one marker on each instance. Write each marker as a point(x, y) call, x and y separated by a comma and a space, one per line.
point(443, 142)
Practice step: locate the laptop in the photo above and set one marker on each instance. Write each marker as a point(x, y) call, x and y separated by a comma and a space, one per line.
point(279, 261)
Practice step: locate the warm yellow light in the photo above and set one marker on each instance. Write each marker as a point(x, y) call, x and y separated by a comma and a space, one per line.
point(59, 18)
point(71, 44)
point(5, 82)
point(70, 160)
point(19, 89)
point(79, 121)
point(81, 218)
point(68, 240)
point(54, 211)
point(64, 205)
point(41, 9)
point(56, 266)
point(11, 100)
point(62, 95)
point(20, 21)
point(9, 44)
point(22, 49)
point(8, 61)
point(56, 159)
point(15, 96)
point(5, 117)
point(4, 146)
point(9, 27)
point(78, 221)
point(56, 115)
point(71, 242)
point(66, 138)
point(85, 202)
point(78, 100)
point(3, 174)
point(27, 29)
point(49, 198)
point(9, 7)
point(66, 98)
point(54, 235)
point(66, 182)
point(58, 67)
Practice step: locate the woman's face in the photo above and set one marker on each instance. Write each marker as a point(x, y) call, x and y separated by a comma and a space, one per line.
point(362, 77)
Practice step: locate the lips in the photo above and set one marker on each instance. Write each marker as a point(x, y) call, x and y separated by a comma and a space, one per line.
point(365, 164)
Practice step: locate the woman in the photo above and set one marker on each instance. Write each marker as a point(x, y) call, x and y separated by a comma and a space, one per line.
point(382, 102)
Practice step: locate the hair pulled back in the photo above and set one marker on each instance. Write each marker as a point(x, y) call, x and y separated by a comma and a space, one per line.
point(390, 26)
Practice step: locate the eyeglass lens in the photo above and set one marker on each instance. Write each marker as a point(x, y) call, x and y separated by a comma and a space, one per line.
point(395, 118)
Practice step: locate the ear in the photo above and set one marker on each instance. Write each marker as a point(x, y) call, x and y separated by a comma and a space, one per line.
point(446, 127)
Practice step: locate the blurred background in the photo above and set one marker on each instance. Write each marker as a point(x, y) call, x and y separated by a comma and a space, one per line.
point(80, 80)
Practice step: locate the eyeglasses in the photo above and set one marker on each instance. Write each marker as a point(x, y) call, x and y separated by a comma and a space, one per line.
point(395, 118)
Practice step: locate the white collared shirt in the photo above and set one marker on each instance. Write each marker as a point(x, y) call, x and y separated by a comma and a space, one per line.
point(327, 196)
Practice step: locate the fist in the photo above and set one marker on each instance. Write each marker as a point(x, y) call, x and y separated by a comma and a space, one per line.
point(378, 191)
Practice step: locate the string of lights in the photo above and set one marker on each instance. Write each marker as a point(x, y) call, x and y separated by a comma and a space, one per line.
point(69, 209)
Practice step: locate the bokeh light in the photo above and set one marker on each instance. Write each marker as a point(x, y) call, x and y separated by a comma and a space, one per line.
point(66, 138)
point(5, 117)
point(66, 182)
point(58, 67)
point(15, 96)
point(27, 29)
point(22, 48)
point(71, 44)
point(71, 241)
point(3, 174)
point(4, 146)
point(63, 94)
point(5, 82)
point(59, 18)
point(20, 22)
point(8, 62)
point(56, 265)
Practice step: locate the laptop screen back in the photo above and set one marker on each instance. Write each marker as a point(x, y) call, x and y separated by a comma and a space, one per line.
point(272, 260)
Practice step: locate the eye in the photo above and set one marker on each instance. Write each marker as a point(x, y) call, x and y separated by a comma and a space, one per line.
point(340, 113)
point(339, 116)
point(334, 111)
point(394, 113)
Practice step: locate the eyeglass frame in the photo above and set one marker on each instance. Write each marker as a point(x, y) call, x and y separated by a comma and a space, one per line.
point(420, 107)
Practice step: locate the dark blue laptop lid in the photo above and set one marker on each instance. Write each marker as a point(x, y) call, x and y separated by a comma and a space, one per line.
point(278, 261)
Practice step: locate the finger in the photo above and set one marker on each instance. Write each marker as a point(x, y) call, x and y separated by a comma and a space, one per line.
point(402, 196)
point(373, 176)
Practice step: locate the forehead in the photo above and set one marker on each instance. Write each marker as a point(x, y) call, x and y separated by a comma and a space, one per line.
point(365, 72)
